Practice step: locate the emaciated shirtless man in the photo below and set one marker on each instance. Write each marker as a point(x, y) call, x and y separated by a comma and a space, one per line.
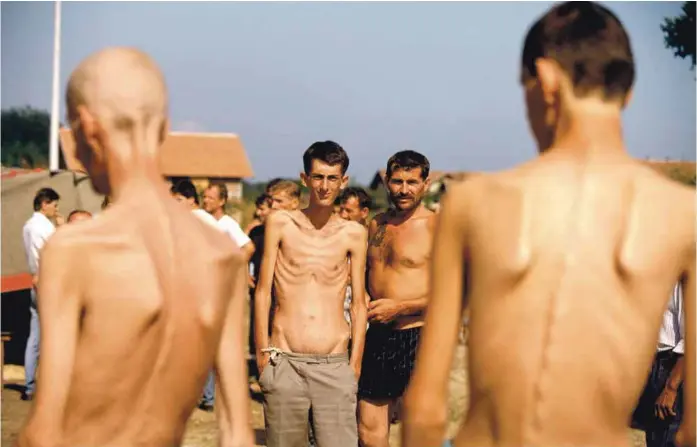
point(566, 262)
point(305, 364)
point(398, 283)
point(135, 304)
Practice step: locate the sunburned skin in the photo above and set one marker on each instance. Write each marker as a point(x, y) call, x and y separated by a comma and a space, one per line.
point(311, 272)
point(565, 263)
point(539, 280)
point(138, 303)
point(399, 252)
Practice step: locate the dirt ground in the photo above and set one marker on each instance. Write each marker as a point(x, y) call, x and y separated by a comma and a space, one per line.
point(202, 431)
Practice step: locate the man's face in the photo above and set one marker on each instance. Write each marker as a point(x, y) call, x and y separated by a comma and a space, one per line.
point(190, 202)
point(325, 182)
point(406, 188)
point(262, 211)
point(350, 209)
point(212, 201)
point(281, 200)
point(49, 209)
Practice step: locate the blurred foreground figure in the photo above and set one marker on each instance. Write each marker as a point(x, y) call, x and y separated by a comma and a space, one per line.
point(133, 304)
point(566, 262)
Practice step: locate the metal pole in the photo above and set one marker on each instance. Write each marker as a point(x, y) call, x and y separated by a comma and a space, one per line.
point(55, 103)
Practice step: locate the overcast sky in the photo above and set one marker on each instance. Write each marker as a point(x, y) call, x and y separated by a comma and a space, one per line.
point(440, 78)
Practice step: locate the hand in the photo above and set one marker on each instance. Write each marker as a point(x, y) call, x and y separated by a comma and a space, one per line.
point(250, 281)
point(665, 404)
point(59, 220)
point(356, 371)
point(383, 310)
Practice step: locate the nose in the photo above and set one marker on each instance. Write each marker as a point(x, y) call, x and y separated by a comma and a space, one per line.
point(404, 189)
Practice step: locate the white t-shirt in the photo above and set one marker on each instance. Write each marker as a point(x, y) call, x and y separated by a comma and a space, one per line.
point(206, 217)
point(230, 227)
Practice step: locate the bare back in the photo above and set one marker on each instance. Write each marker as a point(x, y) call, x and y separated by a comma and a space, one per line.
point(310, 278)
point(155, 282)
point(566, 262)
point(398, 260)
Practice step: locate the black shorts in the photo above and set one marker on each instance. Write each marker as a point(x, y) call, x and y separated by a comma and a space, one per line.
point(388, 360)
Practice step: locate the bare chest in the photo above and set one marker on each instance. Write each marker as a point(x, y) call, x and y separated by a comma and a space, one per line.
point(407, 246)
point(309, 249)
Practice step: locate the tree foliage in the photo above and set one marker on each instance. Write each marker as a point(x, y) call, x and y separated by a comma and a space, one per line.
point(679, 32)
point(25, 133)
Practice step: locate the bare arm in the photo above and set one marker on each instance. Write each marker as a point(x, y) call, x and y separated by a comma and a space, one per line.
point(262, 296)
point(686, 434)
point(425, 403)
point(60, 307)
point(359, 311)
point(231, 371)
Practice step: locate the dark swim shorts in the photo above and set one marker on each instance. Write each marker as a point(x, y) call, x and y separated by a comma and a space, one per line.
point(388, 361)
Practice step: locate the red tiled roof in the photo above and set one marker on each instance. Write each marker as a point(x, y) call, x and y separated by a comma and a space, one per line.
point(185, 154)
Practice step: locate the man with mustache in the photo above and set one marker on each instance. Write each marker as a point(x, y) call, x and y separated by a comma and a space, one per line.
point(399, 249)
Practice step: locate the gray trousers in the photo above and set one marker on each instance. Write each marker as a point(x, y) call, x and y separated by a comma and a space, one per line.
point(293, 384)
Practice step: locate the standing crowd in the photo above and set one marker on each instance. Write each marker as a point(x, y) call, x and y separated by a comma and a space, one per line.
point(576, 271)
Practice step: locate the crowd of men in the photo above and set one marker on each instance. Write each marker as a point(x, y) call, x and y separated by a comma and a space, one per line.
point(564, 266)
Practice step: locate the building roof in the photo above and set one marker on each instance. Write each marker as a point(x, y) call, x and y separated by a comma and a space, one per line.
point(671, 168)
point(184, 154)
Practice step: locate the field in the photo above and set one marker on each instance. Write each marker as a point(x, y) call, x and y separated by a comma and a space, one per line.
point(202, 431)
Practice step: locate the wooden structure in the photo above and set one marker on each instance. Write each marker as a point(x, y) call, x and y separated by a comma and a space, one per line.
point(200, 157)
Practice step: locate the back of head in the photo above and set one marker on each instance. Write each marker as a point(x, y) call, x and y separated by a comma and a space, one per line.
point(408, 160)
point(44, 195)
point(327, 152)
point(117, 108)
point(589, 43)
point(364, 200)
point(77, 215)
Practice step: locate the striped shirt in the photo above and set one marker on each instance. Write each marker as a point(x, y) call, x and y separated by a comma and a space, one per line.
point(671, 336)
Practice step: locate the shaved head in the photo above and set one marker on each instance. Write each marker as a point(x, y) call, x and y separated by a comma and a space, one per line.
point(117, 108)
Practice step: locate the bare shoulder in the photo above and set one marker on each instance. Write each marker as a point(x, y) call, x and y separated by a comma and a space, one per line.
point(68, 242)
point(278, 219)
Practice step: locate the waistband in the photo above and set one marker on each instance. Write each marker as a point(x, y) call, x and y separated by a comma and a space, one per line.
point(342, 357)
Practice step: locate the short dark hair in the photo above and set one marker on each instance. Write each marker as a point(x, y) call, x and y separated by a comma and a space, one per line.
point(328, 152)
point(75, 212)
point(45, 195)
point(589, 43)
point(262, 199)
point(273, 182)
point(408, 160)
point(364, 200)
point(222, 189)
point(186, 189)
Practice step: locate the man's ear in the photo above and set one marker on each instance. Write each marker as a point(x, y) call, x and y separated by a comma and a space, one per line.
point(91, 132)
point(365, 212)
point(344, 182)
point(304, 180)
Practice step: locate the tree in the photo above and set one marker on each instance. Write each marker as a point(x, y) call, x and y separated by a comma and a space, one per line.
point(24, 137)
point(679, 33)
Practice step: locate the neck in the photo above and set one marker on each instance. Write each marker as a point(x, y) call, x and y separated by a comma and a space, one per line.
point(404, 215)
point(132, 164)
point(218, 214)
point(589, 128)
point(318, 215)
